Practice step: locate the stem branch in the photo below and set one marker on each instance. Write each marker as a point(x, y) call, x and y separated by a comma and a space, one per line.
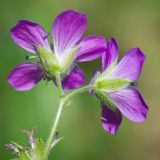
point(63, 101)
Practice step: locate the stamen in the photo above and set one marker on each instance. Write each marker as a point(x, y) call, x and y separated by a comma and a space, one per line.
point(30, 57)
point(27, 57)
point(46, 36)
point(133, 84)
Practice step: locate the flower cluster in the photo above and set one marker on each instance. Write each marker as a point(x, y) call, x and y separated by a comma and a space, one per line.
point(113, 86)
point(68, 48)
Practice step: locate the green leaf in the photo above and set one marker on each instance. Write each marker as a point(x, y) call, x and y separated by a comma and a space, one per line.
point(112, 84)
point(39, 149)
point(17, 145)
point(56, 141)
point(24, 155)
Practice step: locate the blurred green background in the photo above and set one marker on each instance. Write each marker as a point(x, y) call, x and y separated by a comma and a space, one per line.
point(134, 24)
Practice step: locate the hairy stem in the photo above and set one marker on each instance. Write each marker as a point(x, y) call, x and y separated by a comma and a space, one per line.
point(62, 102)
point(59, 84)
point(53, 130)
point(56, 120)
point(77, 91)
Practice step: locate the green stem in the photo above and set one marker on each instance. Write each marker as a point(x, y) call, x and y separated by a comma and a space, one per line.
point(53, 130)
point(63, 101)
point(59, 84)
point(56, 120)
point(77, 91)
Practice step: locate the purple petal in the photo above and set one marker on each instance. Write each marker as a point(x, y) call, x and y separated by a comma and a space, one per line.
point(91, 48)
point(75, 79)
point(130, 66)
point(67, 30)
point(25, 76)
point(130, 103)
point(111, 119)
point(111, 54)
point(28, 34)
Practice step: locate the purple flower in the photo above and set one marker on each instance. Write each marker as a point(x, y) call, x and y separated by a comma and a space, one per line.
point(114, 87)
point(68, 48)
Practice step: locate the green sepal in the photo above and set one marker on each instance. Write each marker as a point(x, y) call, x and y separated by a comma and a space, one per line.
point(105, 73)
point(112, 84)
point(68, 59)
point(56, 141)
point(104, 98)
point(39, 149)
point(48, 60)
point(111, 67)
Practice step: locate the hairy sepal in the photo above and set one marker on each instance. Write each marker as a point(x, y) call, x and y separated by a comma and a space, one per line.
point(48, 60)
point(104, 99)
point(67, 60)
point(112, 84)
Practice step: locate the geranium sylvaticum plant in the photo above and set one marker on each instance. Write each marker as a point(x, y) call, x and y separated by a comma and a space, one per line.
point(58, 62)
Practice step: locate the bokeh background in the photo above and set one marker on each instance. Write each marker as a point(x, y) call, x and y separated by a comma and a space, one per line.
point(134, 24)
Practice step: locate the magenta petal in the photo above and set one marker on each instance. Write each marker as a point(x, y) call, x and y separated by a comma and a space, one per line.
point(130, 103)
point(91, 48)
point(67, 30)
point(25, 76)
point(130, 66)
point(111, 54)
point(28, 34)
point(75, 79)
point(111, 119)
